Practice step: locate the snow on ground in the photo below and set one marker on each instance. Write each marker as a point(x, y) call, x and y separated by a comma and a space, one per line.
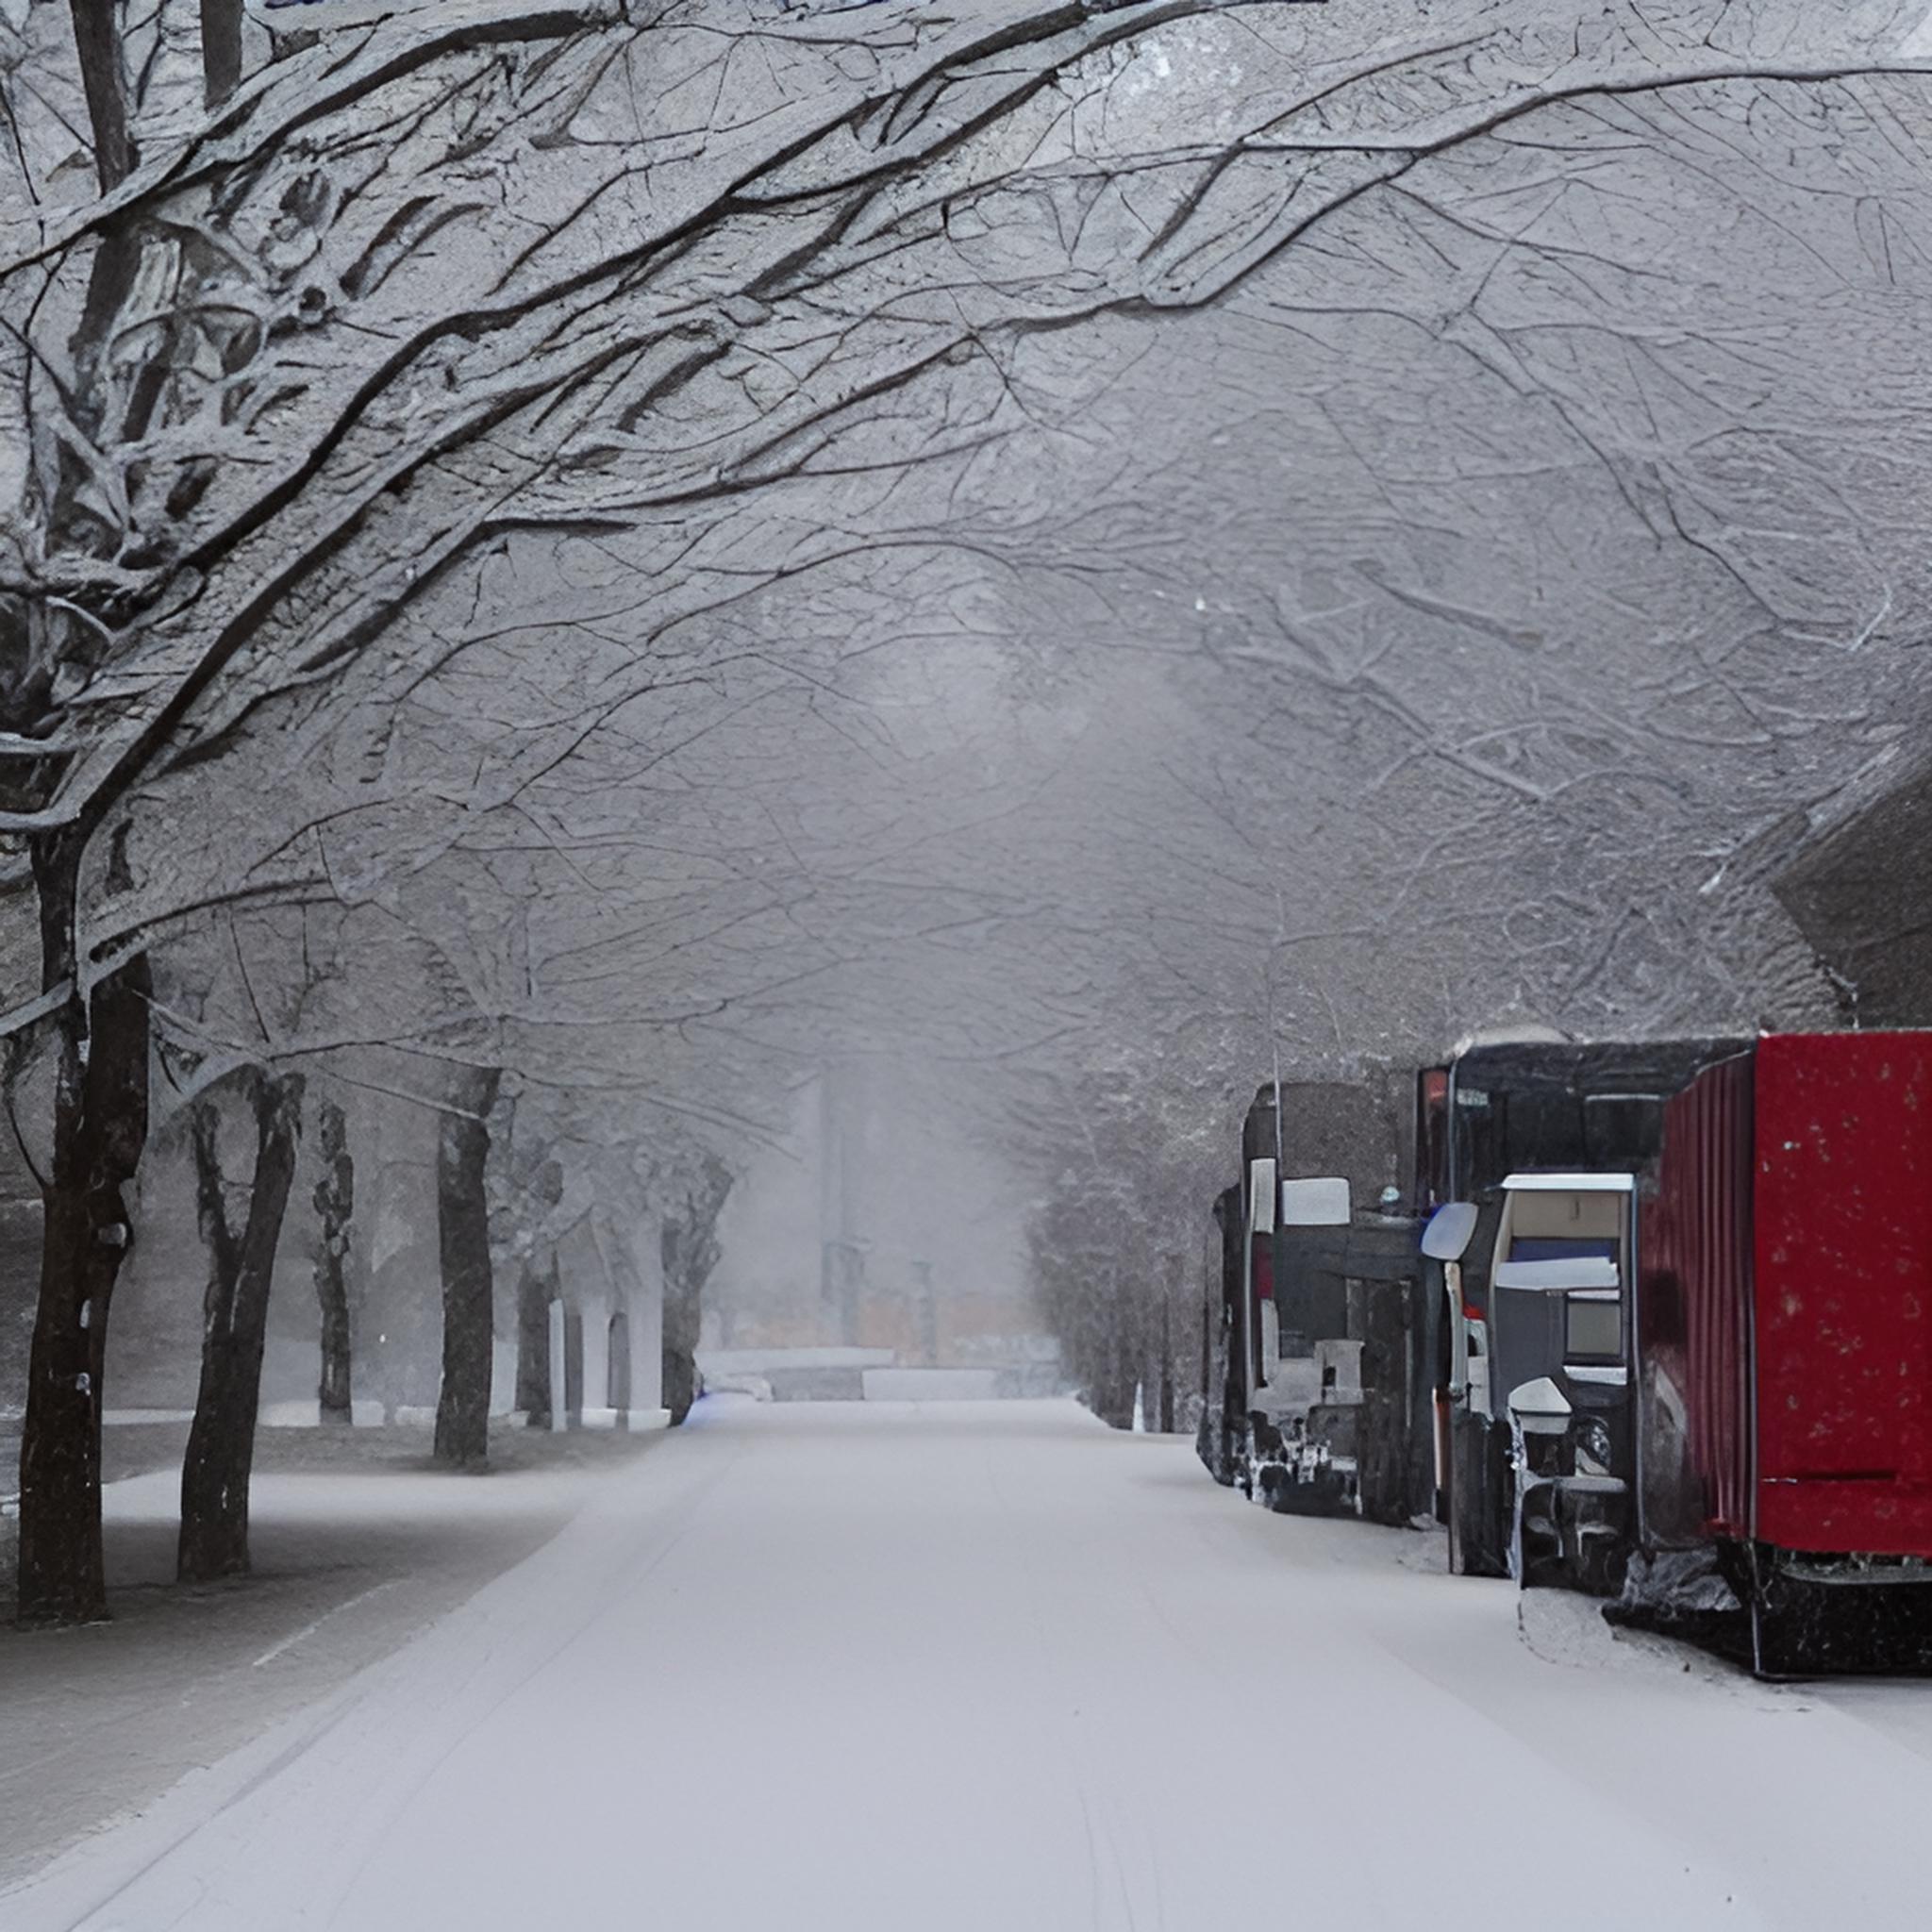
point(992, 1666)
point(357, 1545)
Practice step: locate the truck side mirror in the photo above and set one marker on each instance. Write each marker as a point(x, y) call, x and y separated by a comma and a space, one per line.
point(1450, 1230)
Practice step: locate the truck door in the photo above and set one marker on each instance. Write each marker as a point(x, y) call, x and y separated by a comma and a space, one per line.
point(1560, 1326)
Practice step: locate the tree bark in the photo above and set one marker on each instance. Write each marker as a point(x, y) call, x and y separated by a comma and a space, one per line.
point(682, 1317)
point(572, 1366)
point(104, 80)
point(690, 1251)
point(1167, 1418)
point(1114, 1394)
point(536, 1289)
point(221, 1443)
point(462, 1217)
point(100, 1126)
point(335, 1205)
point(221, 49)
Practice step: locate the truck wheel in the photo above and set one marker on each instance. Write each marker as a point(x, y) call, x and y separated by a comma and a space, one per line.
point(1483, 1497)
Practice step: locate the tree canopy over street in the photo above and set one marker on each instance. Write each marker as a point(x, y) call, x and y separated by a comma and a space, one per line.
point(571, 563)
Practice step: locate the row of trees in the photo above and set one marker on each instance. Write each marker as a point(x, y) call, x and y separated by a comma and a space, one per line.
point(481, 481)
point(230, 1125)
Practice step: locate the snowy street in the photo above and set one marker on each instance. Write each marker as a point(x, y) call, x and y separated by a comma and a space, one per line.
point(977, 1666)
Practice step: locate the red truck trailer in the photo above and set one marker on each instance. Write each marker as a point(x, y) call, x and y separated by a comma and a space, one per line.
point(1785, 1312)
point(1758, 1303)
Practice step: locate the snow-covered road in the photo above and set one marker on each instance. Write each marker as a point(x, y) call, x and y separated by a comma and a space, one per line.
point(991, 1668)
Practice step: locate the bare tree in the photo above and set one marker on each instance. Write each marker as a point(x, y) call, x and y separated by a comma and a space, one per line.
point(220, 1457)
point(100, 1124)
point(691, 1254)
point(462, 1216)
point(335, 1207)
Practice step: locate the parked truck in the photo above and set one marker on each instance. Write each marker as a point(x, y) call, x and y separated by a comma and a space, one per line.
point(1690, 1298)
point(1505, 1109)
point(1320, 1396)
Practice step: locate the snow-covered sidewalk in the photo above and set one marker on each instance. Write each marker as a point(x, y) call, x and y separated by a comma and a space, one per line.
point(991, 1668)
point(357, 1545)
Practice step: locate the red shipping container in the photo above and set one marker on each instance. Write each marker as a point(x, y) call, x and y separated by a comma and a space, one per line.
point(1843, 1295)
point(1695, 1312)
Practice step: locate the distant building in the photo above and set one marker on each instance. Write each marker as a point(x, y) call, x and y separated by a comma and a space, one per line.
point(879, 1239)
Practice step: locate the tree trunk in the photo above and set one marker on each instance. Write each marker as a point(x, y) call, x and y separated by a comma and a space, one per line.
point(682, 1315)
point(536, 1289)
point(221, 49)
point(335, 1205)
point(617, 1365)
point(690, 1251)
point(104, 80)
point(1115, 1402)
point(221, 1443)
point(100, 1126)
point(1167, 1362)
point(572, 1366)
point(462, 1217)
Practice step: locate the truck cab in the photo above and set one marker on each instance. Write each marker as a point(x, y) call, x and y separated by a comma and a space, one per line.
point(1559, 1373)
point(1322, 1389)
point(1548, 1148)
